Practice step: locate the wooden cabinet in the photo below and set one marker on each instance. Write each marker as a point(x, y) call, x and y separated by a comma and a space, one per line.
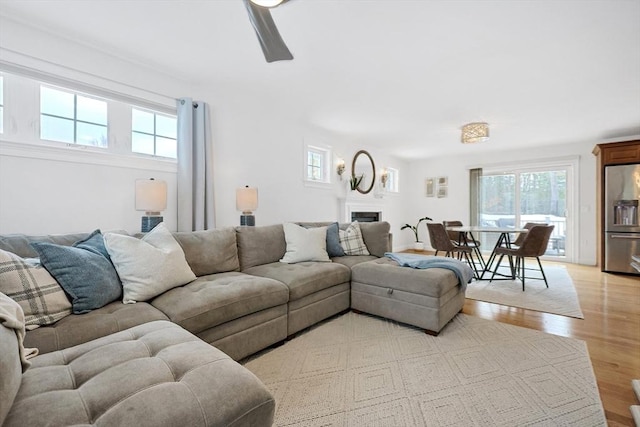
point(614, 153)
point(618, 153)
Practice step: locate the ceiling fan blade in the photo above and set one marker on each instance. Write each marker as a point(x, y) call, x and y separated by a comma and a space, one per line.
point(271, 43)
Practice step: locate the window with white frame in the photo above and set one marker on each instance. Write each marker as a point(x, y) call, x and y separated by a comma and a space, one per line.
point(318, 160)
point(153, 133)
point(392, 180)
point(71, 114)
point(73, 118)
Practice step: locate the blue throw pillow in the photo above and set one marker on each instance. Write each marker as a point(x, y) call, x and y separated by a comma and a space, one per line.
point(334, 248)
point(84, 271)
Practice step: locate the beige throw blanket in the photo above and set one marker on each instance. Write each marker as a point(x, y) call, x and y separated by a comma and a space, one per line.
point(12, 317)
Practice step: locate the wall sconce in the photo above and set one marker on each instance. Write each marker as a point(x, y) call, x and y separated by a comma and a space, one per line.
point(151, 197)
point(340, 167)
point(384, 177)
point(247, 202)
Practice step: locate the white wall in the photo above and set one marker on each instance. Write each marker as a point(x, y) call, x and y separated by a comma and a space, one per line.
point(255, 144)
point(456, 205)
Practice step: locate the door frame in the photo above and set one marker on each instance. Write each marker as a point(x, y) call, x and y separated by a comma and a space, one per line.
point(569, 163)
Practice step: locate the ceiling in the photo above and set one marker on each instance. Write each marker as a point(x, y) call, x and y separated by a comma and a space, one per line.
point(401, 75)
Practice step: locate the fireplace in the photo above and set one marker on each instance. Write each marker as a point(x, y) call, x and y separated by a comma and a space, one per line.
point(366, 216)
point(362, 210)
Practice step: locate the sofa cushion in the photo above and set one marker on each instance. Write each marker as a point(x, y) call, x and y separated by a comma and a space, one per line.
point(260, 245)
point(84, 271)
point(351, 240)
point(304, 278)
point(148, 266)
point(150, 375)
point(305, 244)
point(20, 244)
point(216, 299)
point(42, 300)
point(376, 236)
point(80, 328)
point(351, 260)
point(210, 251)
point(334, 248)
point(11, 369)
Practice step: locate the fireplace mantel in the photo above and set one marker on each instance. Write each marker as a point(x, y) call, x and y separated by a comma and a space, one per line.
point(360, 204)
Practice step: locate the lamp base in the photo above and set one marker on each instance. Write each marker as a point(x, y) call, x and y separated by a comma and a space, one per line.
point(248, 220)
point(149, 222)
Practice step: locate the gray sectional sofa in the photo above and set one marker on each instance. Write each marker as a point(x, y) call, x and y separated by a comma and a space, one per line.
point(243, 300)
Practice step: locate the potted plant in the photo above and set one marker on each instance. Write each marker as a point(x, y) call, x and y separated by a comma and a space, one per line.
point(419, 245)
point(355, 181)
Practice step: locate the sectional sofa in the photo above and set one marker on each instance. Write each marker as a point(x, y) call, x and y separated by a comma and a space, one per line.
point(243, 300)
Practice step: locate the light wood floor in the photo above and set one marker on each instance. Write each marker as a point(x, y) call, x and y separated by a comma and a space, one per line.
point(611, 328)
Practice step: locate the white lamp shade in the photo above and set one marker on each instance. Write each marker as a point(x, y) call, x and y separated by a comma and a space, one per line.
point(247, 199)
point(151, 195)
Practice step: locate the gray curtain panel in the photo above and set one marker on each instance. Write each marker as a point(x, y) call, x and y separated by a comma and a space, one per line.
point(475, 194)
point(195, 167)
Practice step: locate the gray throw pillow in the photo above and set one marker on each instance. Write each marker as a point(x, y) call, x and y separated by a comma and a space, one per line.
point(334, 248)
point(84, 271)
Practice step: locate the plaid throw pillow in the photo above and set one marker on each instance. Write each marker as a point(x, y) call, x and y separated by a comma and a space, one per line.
point(351, 240)
point(32, 287)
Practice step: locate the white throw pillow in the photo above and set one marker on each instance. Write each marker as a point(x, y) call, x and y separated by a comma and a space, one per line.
point(352, 241)
point(149, 266)
point(305, 244)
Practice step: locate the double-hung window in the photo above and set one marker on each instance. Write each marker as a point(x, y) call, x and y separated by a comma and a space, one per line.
point(317, 164)
point(72, 118)
point(153, 133)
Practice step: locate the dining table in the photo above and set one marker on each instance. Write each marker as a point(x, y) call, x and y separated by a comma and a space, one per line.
point(466, 236)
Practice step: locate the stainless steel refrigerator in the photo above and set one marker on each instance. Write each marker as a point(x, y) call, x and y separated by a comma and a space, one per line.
point(622, 230)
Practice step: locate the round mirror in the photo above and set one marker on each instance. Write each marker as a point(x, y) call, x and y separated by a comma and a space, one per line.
point(363, 166)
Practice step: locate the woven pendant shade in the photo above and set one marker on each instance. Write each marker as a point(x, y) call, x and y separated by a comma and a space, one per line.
point(475, 132)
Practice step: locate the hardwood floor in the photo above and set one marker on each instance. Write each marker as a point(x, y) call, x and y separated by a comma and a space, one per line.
point(611, 328)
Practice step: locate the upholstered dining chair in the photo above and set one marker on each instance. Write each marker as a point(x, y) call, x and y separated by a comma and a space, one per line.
point(534, 245)
point(521, 236)
point(464, 238)
point(441, 243)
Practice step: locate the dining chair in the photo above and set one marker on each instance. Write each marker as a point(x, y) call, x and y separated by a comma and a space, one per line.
point(521, 236)
point(440, 241)
point(464, 238)
point(534, 245)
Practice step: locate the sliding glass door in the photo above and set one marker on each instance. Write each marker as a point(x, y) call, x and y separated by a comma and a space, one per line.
point(511, 198)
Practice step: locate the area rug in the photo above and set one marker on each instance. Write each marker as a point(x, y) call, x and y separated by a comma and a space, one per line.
point(560, 298)
point(360, 370)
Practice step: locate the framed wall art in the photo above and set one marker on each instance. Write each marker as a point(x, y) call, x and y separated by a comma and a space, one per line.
point(430, 187)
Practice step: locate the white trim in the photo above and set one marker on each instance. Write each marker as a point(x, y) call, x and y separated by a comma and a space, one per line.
point(85, 155)
point(327, 164)
point(353, 204)
point(572, 165)
point(27, 66)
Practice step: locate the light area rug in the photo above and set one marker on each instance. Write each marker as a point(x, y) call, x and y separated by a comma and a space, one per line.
point(361, 370)
point(560, 298)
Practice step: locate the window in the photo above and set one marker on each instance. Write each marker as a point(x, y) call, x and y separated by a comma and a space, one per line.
point(533, 193)
point(154, 133)
point(317, 164)
point(72, 118)
point(392, 180)
point(1, 104)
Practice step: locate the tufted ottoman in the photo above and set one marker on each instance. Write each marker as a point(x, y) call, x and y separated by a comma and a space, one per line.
point(155, 374)
point(427, 299)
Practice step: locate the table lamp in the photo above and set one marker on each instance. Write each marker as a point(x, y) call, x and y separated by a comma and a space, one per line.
point(247, 202)
point(151, 197)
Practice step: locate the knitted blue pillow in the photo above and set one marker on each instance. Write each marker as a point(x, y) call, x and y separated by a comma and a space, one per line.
point(84, 271)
